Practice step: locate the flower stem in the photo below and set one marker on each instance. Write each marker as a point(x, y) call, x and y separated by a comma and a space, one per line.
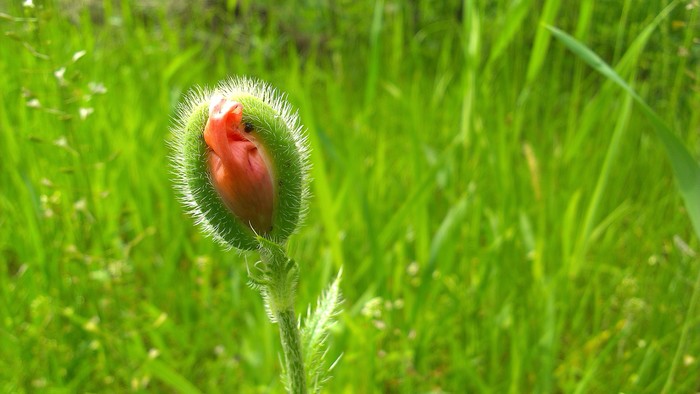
point(278, 285)
point(289, 333)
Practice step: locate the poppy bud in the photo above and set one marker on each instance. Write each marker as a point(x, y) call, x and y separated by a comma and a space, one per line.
point(241, 162)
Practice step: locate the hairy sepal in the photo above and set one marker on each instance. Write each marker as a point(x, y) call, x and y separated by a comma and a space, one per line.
point(281, 134)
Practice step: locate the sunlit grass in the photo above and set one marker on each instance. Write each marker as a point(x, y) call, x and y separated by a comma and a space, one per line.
point(457, 152)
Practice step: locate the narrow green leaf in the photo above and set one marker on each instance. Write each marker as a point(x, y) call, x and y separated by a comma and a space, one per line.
point(167, 375)
point(539, 48)
point(685, 168)
point(452, 222)
point(512, 24)
point(592, 213)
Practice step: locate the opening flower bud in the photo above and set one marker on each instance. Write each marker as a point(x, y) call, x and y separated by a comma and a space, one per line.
point(241, 160)
point(239, 165)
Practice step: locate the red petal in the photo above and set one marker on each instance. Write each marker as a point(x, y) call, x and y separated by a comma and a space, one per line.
point(239, 171)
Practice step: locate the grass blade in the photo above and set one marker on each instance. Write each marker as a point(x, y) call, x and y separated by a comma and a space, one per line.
point(169, 376)
point(601, 184)
point(685, 169)
point(539, 48)
point(513, 21)
point(451, 223)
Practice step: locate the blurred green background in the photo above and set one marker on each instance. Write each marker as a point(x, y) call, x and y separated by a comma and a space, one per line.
point(456, 150)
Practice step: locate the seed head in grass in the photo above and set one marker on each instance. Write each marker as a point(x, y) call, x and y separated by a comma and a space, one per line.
point(240, 158)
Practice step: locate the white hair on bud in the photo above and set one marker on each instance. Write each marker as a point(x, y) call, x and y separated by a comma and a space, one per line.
point(202, 96)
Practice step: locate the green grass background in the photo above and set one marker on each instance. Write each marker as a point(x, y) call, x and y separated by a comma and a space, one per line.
point(456, 150)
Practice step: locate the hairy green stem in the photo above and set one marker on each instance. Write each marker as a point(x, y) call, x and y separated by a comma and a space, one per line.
point(278, 284)
point(291, 343)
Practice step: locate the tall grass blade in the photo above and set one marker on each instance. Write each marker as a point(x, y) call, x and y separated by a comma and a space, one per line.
point(450, 224)
point(374, 44)
point(685, 168)
point(622, 68)
point(513, 21)
point(470, 43)
point(170, 377)
point(539, 48)
point(601, 184)
point(585, 14)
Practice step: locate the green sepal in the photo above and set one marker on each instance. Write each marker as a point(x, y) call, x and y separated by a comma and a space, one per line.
point(279, 133)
